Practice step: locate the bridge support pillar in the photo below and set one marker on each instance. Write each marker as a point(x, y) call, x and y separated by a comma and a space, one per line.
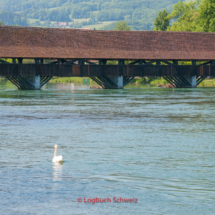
point(109, 82)
point(184, 81)
point(191, 80)
point(34, 81)
point(29, 82)
point(117, 80)
point(112, 82)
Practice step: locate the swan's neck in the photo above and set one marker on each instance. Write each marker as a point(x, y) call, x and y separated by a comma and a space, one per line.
point(55, 152)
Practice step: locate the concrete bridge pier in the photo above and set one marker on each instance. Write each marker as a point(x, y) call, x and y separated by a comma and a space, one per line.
point(28, 82)
point(118, 81)
point(32, 82)
point(191, 80)
point(112, 82)
point(184, 81)
point(109, 82)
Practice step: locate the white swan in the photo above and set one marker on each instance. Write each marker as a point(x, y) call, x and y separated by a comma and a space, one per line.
point(57, 158)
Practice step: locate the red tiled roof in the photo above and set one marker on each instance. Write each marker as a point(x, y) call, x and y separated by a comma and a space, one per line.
point(62, 23)
point(30, 42)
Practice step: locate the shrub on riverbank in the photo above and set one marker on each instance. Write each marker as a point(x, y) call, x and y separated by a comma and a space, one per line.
point(207, 83)
point(148, 81)
point(136, 82)
point(66, 80)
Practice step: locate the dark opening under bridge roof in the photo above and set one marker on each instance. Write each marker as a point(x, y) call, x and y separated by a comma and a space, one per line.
point(31, 42)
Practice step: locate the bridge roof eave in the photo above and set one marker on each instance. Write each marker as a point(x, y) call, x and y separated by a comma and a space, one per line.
point(112, 59)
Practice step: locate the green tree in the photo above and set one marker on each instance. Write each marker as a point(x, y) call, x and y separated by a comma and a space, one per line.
point(1, 23)
point(161, 22)
point(186, 16)
point(121, 26)
point(207, 15)
point(198, 15)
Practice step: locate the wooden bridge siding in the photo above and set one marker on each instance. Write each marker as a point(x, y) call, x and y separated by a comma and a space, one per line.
point(105, 70)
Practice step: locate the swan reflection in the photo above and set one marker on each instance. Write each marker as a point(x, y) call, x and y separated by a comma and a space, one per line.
point(57, 171)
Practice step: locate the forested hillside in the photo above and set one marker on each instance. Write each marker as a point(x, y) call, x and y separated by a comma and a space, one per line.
point(139, 14)
point(9, 18)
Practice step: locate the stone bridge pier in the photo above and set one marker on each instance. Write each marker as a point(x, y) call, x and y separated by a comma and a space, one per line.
point(31, 82)
point(117, 81)
point(111, 81)
point(24, 82)
point(184, 81)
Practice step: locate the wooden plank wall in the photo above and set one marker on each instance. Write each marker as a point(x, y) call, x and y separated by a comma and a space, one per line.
point(105, 70)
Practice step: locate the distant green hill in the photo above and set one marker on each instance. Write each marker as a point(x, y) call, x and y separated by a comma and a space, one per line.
point(9, 18)
point(139, 14)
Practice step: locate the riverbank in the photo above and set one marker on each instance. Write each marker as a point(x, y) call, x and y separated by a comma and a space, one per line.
point(147, 82)
point(136, 82)
point(66, 80)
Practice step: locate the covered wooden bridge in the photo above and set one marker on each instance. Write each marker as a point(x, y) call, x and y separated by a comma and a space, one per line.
point(87, 53)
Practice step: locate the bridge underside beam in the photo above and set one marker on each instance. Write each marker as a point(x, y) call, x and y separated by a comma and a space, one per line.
point(29, 82)
point(184, 81)
point(114, 82)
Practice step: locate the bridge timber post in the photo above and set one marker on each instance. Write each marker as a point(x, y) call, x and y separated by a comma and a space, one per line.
point(117, 80)
point(110, 81)
point(191, 79)
point(114, 81)
point(34, 81)
point(186, 81)
point(28, 82)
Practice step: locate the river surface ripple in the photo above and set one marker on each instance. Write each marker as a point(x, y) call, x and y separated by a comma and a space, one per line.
point(156, 145)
